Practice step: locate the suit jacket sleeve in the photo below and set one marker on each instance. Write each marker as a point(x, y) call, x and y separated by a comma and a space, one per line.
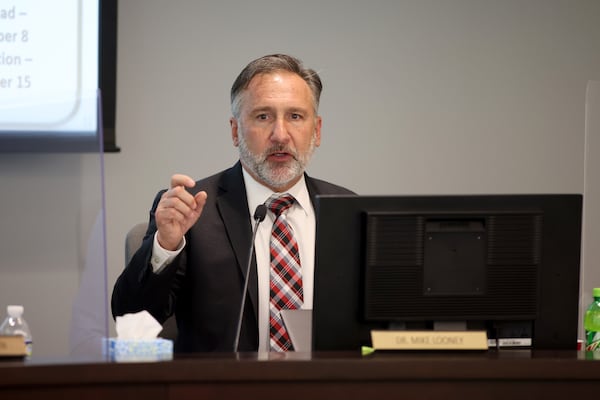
point(139, 288)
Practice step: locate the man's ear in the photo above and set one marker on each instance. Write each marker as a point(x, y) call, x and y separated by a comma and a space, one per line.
point(234, 131)
point(318, 131)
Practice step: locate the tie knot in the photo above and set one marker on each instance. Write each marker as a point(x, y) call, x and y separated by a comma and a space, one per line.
point(279, 203)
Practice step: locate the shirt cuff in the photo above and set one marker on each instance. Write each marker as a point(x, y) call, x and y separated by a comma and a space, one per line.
point(162, 257)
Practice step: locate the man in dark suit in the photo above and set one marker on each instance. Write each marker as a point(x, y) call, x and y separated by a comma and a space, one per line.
point(192, 261)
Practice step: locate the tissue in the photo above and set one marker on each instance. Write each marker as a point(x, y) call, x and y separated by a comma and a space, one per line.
point(137, 340)
point(139, 326)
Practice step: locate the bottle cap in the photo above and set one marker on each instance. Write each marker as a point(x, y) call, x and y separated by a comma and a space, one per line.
point(596, 292)
point(14, 311)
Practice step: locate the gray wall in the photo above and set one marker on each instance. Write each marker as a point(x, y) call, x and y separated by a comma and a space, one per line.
point(428, 96)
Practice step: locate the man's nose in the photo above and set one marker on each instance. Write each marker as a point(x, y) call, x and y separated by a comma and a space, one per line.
point(280, 132)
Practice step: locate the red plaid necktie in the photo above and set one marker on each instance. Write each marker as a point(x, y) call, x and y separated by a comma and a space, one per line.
point(285, 275)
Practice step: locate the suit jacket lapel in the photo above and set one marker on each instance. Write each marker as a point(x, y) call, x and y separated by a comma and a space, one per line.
point(233, 207)
point(313, 191)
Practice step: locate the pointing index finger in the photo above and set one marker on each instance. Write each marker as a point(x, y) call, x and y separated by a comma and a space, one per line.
point(182, 180)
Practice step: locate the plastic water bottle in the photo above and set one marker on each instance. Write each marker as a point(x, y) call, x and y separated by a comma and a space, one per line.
point(591, 323)
point(14, 324)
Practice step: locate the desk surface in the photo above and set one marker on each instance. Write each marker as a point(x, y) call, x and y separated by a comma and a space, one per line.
point(504, 374)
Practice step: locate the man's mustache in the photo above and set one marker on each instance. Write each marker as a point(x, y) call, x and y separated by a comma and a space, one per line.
point(280, 149)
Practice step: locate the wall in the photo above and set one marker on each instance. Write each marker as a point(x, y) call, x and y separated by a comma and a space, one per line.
point(430, 96)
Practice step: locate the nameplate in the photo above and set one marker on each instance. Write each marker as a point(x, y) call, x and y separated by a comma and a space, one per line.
point(12, 346)
point(429, 340)
point(510, 342)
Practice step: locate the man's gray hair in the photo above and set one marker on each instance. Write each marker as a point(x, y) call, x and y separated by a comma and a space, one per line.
point(269, 64)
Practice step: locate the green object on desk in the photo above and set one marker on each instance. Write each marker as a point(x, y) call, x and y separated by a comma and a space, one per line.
point(366, 350)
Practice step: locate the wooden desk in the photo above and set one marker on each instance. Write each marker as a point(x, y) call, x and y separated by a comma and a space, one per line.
point(491, 375)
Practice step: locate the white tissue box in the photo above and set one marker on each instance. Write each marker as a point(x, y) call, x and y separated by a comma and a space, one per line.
point(136, 350)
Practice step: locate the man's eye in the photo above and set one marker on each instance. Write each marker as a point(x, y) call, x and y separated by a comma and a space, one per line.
point(296, 116)
point(262, 116)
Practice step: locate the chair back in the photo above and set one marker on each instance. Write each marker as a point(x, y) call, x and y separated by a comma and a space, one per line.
point(133, 240)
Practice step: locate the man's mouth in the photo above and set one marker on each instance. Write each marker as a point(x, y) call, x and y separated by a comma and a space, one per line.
point(280, 155)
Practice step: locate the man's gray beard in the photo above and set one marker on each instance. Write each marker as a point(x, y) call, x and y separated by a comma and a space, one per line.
point(278, 177)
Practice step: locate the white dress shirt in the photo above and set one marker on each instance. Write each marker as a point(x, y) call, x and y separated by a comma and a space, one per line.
point(301, 217)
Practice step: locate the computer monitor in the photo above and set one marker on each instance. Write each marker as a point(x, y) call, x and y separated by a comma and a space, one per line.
point(508, 264)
